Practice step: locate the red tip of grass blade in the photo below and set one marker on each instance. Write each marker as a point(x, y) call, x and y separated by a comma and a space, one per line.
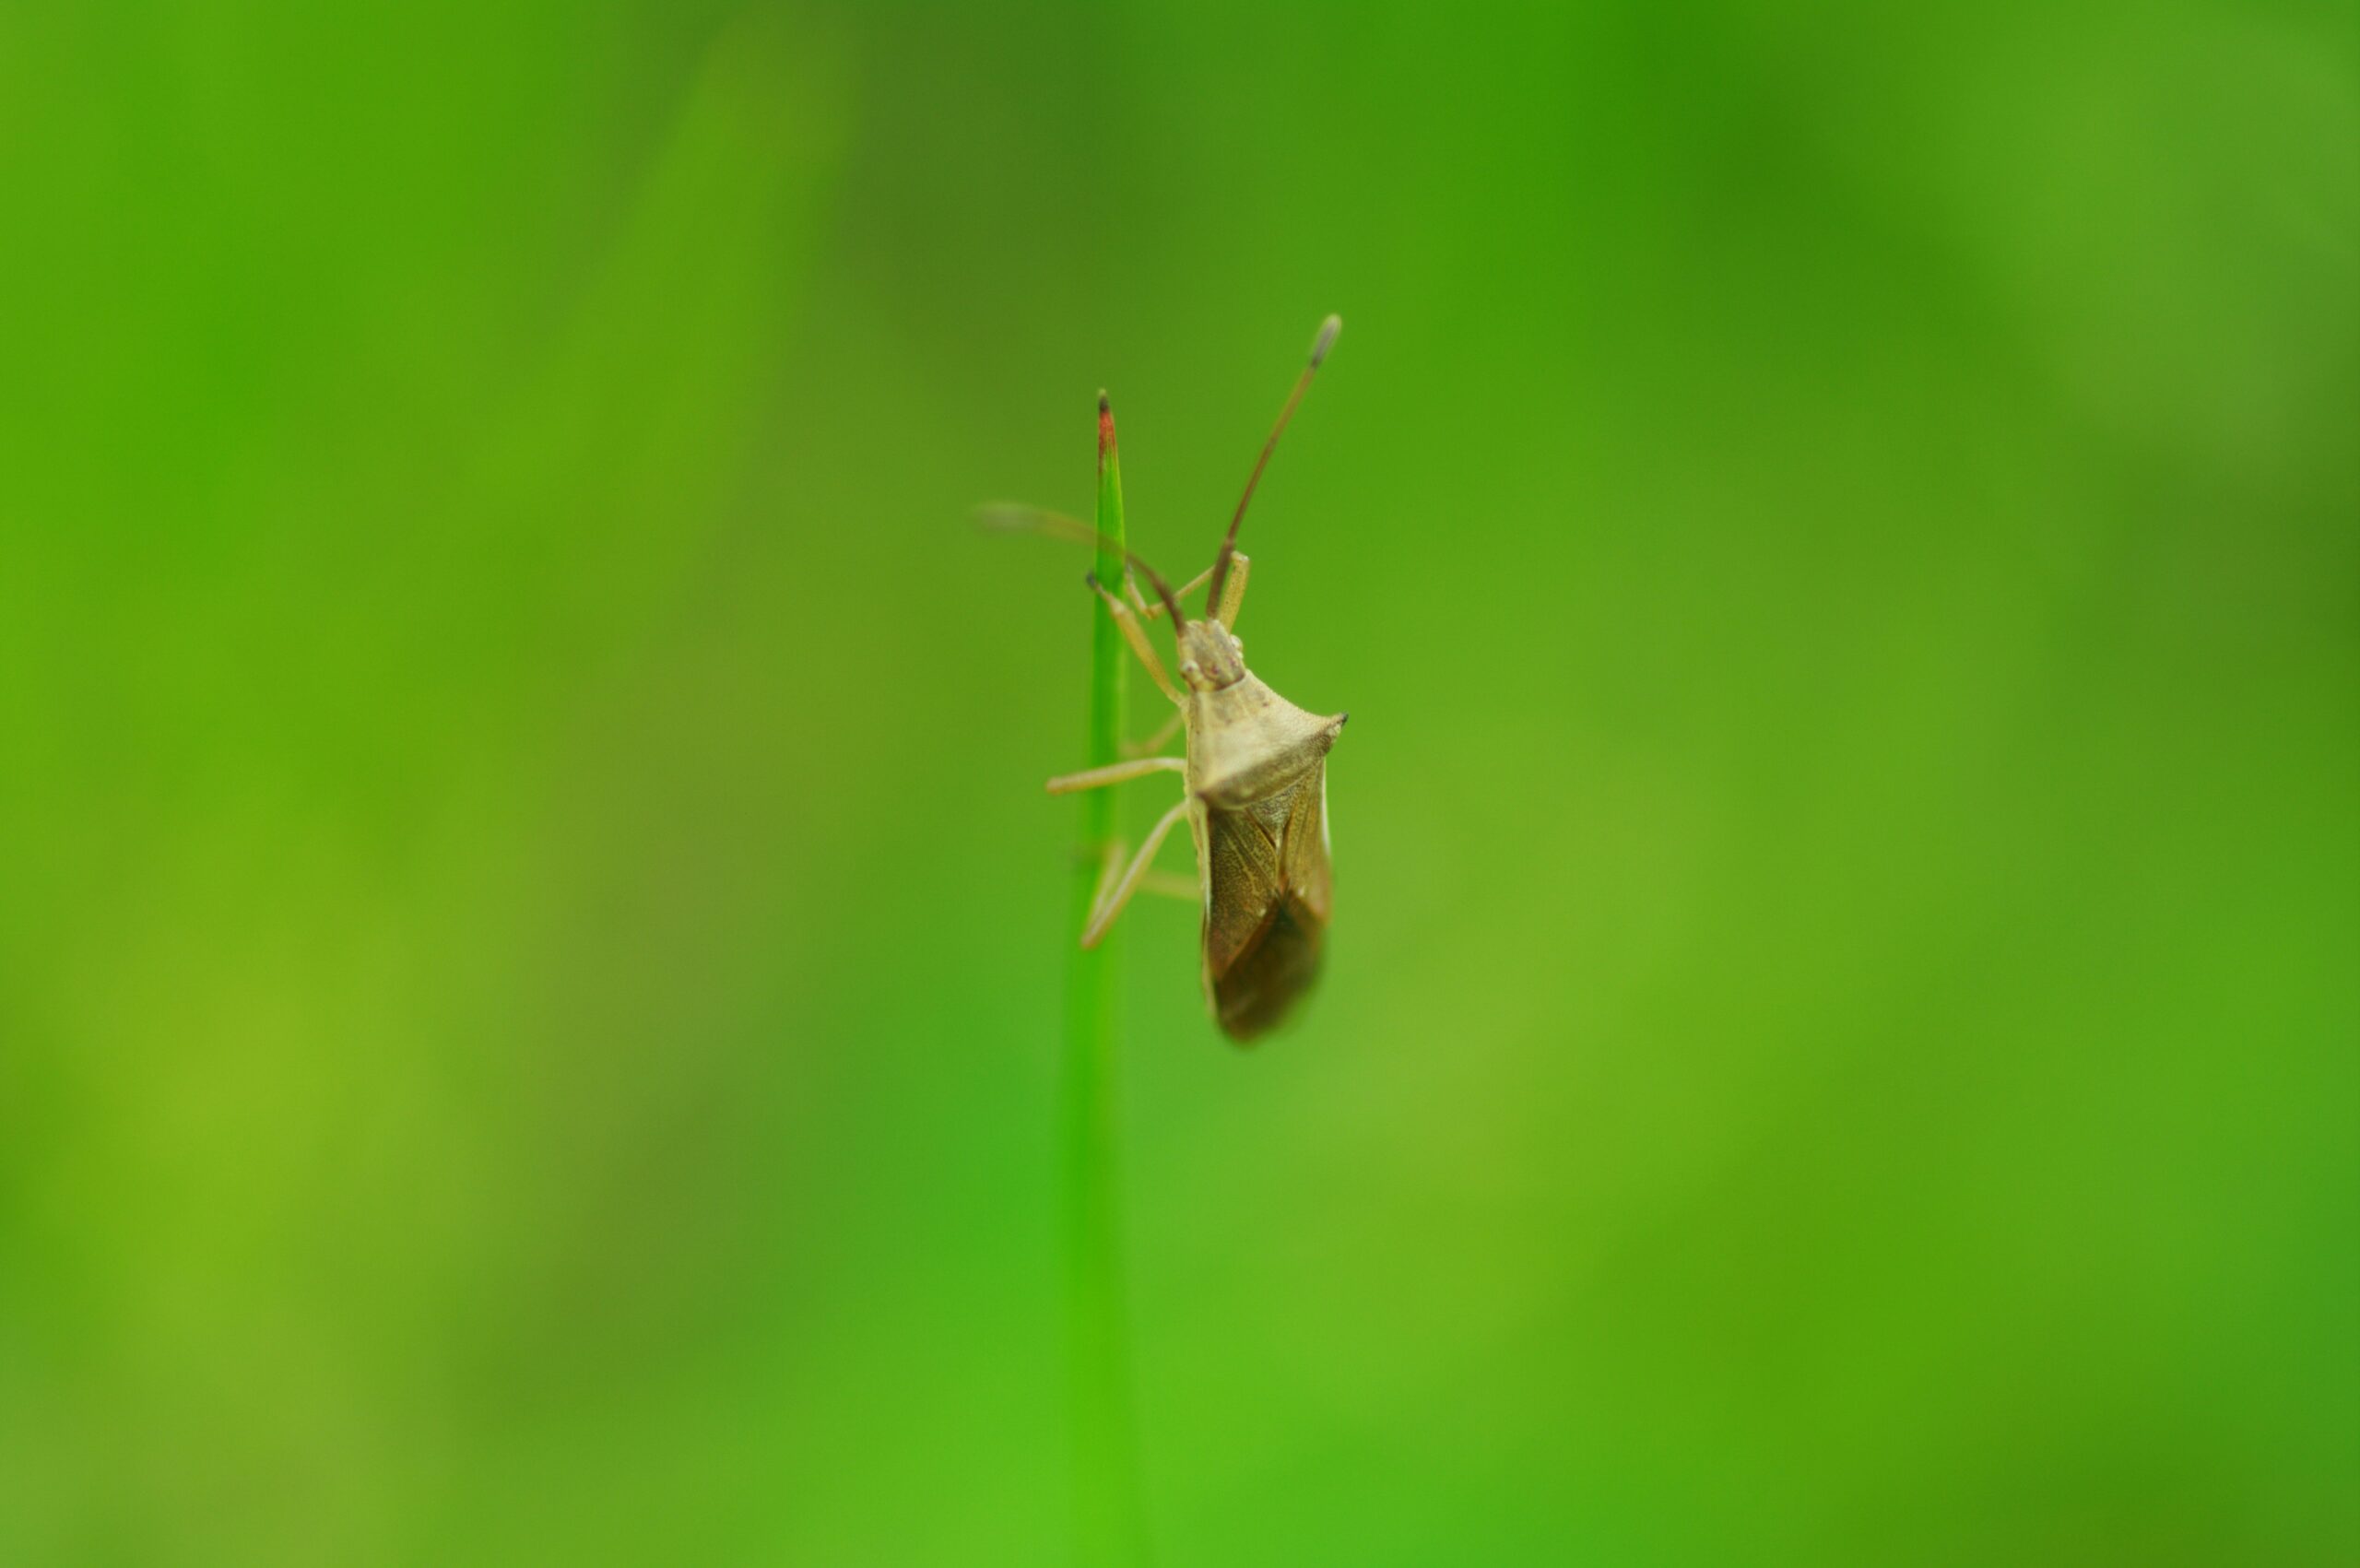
point(1105, 427)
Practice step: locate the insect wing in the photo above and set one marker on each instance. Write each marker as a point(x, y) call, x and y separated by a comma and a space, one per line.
point(1266, 904)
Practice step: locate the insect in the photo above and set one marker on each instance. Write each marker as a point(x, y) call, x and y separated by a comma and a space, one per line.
point(1253, 775)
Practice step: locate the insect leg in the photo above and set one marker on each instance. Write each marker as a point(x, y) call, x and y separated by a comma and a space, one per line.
point(1232, 594)
point(1136, 637)
point(1112, 905)
point(1154, 611)
point(1159, 739)
point(1110, 865)
point(1115, 772)
point(1173, 885)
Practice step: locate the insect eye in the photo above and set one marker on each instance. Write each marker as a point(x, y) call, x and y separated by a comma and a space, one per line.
point(1188, 668)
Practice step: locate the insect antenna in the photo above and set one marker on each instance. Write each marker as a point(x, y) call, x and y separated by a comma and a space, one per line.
point(1013, 518)
point(1319, 347)
point(1162, 589)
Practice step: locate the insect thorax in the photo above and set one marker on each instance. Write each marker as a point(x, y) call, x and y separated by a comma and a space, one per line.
point(1245, 742)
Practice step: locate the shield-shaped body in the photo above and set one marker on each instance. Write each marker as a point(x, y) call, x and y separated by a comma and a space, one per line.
point(1258, 791)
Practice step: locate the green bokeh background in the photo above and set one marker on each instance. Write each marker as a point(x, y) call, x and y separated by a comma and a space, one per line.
point(530, 939)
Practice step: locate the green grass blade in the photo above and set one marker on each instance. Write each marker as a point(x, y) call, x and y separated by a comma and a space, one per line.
point(1110, 1520)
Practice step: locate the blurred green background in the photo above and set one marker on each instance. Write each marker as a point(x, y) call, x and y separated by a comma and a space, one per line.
point(530, 939)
